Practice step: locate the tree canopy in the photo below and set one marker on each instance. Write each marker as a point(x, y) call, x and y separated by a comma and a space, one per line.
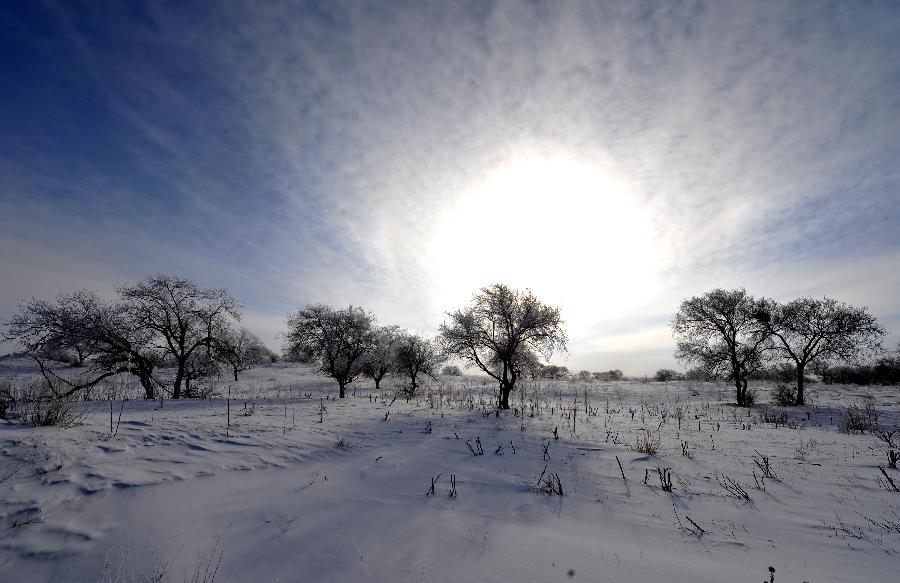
point(500, 330)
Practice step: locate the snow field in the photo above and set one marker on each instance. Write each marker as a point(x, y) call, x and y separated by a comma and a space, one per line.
point(279, 496)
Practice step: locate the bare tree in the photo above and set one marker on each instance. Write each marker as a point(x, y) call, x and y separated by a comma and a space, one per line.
point(808, 330)
point(202, 364)
point(415, 355)
point(722, 333)
point(125, 345)
point(496, 331)
point(48, 328)
point(116, 343)
point(241, 350)
point(380, 360)
point(183, 316)
point(336, 339)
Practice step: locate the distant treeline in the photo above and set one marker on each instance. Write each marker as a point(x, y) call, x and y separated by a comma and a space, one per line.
point(885, 371)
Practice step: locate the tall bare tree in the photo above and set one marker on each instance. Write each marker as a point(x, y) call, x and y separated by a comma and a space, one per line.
point(336, 339)
point(808, 330)
point(183, 316)
point(722, 333)
point(498, 329)
point(416, 355)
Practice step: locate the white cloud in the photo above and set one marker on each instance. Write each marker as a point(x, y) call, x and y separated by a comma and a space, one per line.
point(314, 154)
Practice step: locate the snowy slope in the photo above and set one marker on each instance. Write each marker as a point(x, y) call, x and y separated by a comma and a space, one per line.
point(279, 496)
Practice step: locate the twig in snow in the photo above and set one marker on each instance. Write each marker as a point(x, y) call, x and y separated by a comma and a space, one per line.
point(434, 480)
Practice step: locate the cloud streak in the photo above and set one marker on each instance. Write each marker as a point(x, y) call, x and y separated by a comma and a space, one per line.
point(311, 151)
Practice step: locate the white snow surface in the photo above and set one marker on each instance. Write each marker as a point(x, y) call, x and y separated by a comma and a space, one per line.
point(279, 496)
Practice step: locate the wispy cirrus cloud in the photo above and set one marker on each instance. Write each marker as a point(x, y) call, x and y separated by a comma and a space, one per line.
point(300, 152)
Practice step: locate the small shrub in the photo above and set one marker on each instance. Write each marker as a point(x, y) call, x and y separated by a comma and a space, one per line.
point(784, 395)
point(762, 462)
point(50, 413)
point(648, 443)
point(855, 420)
point(774, 417)
point(885, 434)
point(750, 395)
point(733, 487)
point(549, 483)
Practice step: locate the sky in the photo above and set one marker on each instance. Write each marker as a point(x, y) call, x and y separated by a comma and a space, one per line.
point(613, 157)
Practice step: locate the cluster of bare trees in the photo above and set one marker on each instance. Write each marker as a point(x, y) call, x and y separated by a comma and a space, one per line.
point(161, 322)
point(346, 343)
point(731, 334)
point(171, 323)
point(502, 332)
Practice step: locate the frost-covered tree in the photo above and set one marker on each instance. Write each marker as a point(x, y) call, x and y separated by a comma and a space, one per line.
point(336, 339)
point(416, 355)
point(183, 317)
point(381, 359)
point(721, 332)
point(808, 330)
point(499, 329)
point(115, 341)
point(241, 350)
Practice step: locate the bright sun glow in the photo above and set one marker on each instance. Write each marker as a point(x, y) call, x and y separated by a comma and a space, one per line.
point(564, 228)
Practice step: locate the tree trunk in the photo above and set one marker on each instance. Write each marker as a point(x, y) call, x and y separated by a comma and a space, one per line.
point(176, 392)
point(799, 400)
point(341, 392)
point(235, 374)
point(504, 396)
point(740, 392)
point(147, 384)
point(378, 383)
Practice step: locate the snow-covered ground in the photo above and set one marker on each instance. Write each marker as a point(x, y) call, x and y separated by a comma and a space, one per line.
point(281, 496)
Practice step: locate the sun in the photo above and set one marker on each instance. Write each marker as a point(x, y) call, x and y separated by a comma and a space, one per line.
point(569, 230)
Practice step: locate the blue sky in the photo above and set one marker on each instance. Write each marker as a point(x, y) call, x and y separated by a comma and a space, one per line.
point(368, 152)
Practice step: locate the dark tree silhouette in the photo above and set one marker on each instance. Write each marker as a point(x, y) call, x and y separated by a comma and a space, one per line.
point(381, 359)
point(808, 330)
point(52, 330)
point(665, 375)
point(499, 331)
point(337, 340)
point(722, 333)
point(183, 317)
point(115, 341)
point(241, 350)
point(416, 355)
